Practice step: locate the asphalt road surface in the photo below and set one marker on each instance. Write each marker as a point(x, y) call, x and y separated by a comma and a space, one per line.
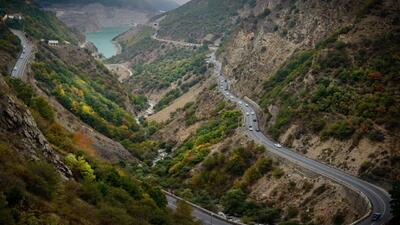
point(379, 199)
point(206, 217)
point(18, 70)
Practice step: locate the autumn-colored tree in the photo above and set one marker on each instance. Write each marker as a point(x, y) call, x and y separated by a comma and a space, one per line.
point(85, 143)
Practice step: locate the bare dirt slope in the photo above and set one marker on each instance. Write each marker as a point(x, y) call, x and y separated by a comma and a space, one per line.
point(190, 96)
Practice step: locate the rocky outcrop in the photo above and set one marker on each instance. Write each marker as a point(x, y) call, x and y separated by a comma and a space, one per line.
point(18, 125)
point(92, 17)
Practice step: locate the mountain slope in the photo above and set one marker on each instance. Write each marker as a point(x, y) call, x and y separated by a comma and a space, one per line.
point(199, 19)
point(47, 175)
point(37, 23)
point(328, 89)
point(136, 4)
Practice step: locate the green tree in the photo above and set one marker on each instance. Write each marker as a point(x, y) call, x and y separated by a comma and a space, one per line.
point(395, 202)
point(80, 167)
point(233, 201)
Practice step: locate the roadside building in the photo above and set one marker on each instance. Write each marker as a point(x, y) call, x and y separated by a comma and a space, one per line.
point(53, 43)
point(16, 16)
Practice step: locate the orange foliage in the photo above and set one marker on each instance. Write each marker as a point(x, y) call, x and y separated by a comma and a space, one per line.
point(83, 142)
point(375, 75)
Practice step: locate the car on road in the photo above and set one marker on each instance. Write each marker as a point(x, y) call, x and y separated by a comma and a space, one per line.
point(253, 113)
point(247, 105)
point(15, 68)
point(254, 120)
point(247, 114)
point(250, 129)
point(278, 145)
point(376, 216)
point(258, 130)
point(221, 214)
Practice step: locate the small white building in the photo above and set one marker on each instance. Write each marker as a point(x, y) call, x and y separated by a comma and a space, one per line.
point(53, 42)
point(12, 17)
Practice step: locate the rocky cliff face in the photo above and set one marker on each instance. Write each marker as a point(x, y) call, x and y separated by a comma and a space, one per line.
point(19, 128)
point(92, 17)
point(272, 31)
point(278, 57)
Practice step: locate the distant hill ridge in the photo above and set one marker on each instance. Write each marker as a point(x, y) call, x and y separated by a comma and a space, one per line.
point(156, 5)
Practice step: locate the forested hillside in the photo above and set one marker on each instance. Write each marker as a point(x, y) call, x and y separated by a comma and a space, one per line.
point(165, 70)
point(48, 174)
point(199, 19)
point(36, 22)
point(329, 91)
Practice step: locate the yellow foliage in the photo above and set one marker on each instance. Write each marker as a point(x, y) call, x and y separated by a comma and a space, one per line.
point(85, 108)
point(60, 90)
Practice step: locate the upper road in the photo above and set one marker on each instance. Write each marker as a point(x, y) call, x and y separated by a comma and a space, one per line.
point(19, 69)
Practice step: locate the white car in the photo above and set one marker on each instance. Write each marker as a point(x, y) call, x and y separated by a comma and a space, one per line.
point(247, 114)
point(247, 105)
point(15, 68)
point(221, 214)
point(278, 145)
point(253, 113)
point(250, 129)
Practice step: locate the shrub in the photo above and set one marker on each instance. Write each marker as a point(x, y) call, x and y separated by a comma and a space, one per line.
point(91, 193)
point(278, 173)
point(233, 201)
point(113, 215)
point(43, 107)
point(376, 135)
point(264, 13)
point(338, 218)
point(341, 130)
point(80, 167)
point(289, 223)
point(317, 124)
point(292, 212)
point(42, 179)
point(267, 215)
point(395, 202)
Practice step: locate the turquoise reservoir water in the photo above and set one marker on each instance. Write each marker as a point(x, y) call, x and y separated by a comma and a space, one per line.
point(103, 39)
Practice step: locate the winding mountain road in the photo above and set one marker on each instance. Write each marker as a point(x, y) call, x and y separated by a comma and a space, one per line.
point(23, 59)
point(377, 198)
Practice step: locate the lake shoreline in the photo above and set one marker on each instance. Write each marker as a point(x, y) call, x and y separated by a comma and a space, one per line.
point(104, 40)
